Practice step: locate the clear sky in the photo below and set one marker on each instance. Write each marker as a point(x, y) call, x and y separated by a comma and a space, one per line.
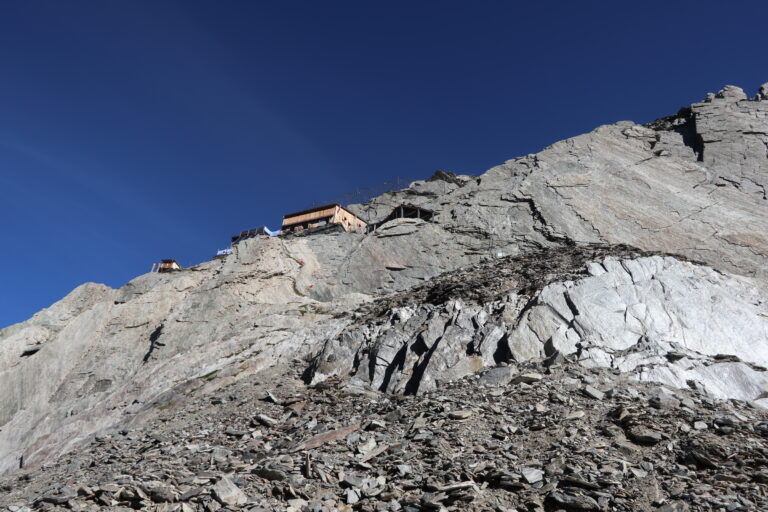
point(137, 130)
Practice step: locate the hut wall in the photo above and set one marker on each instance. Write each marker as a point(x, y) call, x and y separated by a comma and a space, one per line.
point(309, 217)
point(348, 220)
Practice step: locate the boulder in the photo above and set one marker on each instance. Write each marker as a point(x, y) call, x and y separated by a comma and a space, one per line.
point(227, 493)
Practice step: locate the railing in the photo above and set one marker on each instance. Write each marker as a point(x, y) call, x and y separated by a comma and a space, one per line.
point(365, 194)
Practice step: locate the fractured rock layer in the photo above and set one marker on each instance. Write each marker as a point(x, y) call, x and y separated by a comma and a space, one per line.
point(655, 316)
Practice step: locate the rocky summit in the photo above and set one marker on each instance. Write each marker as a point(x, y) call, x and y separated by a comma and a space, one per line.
point(585, 328)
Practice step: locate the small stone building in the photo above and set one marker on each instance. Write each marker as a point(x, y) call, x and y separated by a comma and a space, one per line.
point(404, 211)
point(322, 216)
point(166, 266)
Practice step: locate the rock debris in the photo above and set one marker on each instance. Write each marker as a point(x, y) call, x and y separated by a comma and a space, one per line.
point(541, 442)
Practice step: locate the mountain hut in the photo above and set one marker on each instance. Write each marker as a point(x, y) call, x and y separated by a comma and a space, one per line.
point(322, 216)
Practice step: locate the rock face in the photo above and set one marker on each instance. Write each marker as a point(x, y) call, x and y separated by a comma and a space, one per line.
point(691, 184)
point(110, 356)
point(656, 317)
point(525, 264)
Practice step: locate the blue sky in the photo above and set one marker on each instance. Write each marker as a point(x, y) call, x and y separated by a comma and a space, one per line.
point(133, 131)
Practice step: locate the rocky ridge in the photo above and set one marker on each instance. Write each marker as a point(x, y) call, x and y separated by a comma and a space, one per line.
point(637, 252)
point(691, 184)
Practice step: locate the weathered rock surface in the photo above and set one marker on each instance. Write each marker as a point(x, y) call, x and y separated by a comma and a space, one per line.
point(417, 304)
point(657, 317)
point(105, 356)
point(691, 184)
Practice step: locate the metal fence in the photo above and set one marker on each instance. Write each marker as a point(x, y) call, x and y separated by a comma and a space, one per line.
point(365, 194)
